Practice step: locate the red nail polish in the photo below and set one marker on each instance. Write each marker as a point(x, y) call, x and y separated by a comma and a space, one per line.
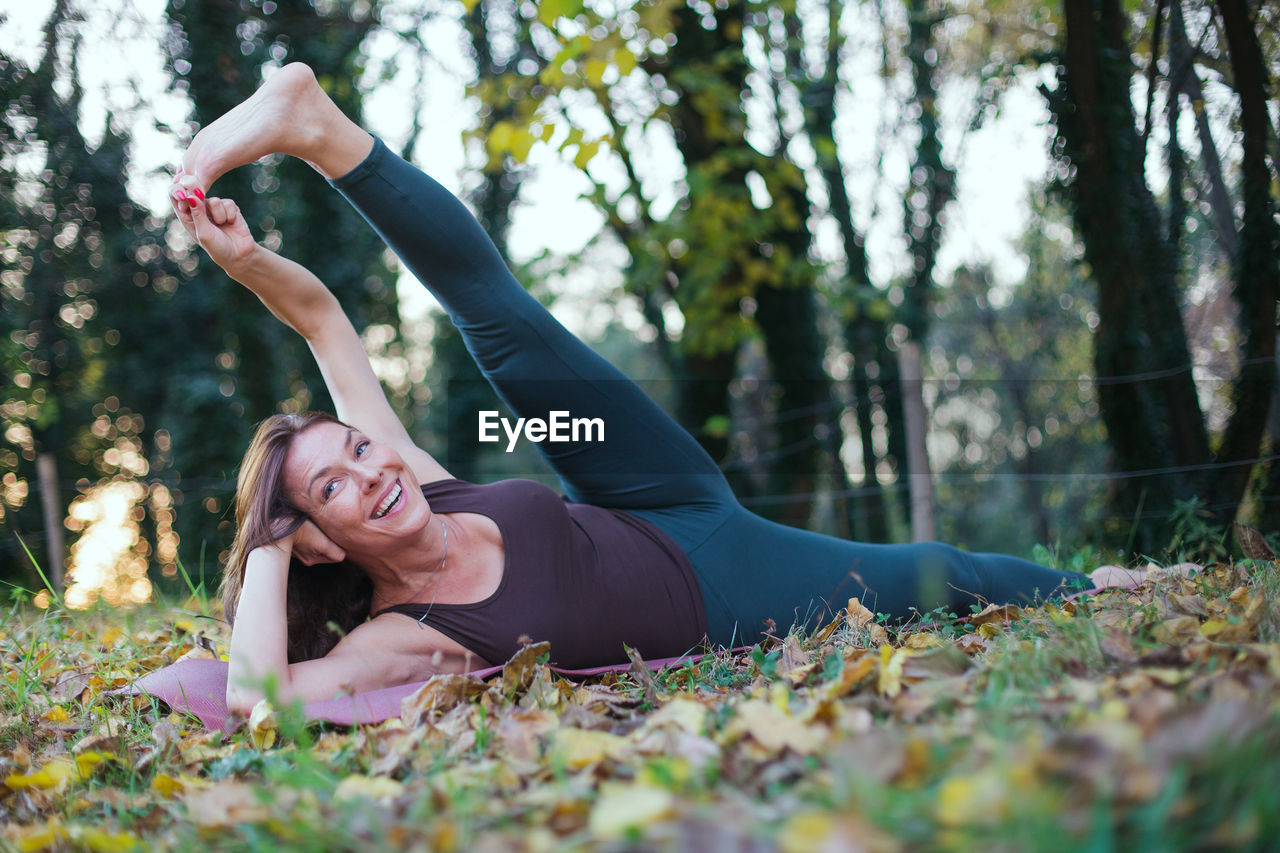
point(198, 193)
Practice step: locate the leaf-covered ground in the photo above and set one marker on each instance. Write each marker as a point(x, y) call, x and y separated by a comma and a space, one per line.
point(1137, 719)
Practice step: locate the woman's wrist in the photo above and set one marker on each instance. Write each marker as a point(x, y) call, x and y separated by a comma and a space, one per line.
point(248, 264)
point(275, 554)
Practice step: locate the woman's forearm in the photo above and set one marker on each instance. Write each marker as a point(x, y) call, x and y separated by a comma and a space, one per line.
point(291, 291)
point(260, 637)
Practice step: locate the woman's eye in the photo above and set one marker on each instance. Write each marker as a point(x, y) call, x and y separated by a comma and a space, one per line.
point(329, 489)
point(361, 448)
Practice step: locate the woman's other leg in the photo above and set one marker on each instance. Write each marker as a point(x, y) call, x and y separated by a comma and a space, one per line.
point(754, 570)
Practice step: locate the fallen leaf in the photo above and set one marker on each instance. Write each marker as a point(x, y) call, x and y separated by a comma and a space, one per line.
point(262, 724)
point(624, 807)
point(1252, 543)
point(226, 804)
point(683, 714)
point(889, 683)
point(859, 615)
point(1179, 629)
point(441, 693)
point(59, 772)
point(1001, 614)
point(518, 672)
point(774, 729)
point(576, 748)
point(377, 788)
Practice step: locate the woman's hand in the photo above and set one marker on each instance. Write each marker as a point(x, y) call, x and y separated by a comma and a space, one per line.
point(311, 546)
point(214, 223)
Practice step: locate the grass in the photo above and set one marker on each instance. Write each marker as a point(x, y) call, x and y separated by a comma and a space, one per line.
point(1141, 719)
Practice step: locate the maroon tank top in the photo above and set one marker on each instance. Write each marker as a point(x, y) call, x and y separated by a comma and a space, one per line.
point(585, 578)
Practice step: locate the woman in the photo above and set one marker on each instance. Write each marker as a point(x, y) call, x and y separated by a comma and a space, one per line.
point(648, 548)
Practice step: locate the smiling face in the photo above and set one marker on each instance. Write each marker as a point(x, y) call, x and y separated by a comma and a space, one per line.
point(359, 492)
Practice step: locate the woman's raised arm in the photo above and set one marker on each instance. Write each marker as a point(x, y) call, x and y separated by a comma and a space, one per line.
point(299, 299)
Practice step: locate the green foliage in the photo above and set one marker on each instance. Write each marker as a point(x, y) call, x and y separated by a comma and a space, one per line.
point(1196, 538)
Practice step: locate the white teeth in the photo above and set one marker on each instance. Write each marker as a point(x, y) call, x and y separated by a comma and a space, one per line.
point(390, 501)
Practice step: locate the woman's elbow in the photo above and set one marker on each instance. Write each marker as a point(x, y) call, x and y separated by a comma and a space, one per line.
point(241, 701)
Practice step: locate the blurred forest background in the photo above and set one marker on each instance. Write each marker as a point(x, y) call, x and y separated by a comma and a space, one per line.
point(773, 189)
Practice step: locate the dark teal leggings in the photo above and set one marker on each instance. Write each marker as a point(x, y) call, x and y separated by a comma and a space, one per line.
point(751, 570)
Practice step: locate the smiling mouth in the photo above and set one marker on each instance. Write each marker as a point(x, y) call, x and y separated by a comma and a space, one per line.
point(389, 501)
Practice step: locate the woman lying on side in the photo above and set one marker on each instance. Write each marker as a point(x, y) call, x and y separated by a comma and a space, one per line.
point(345, 523)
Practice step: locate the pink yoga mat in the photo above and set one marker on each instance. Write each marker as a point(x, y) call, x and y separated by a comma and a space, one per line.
point(199, 687)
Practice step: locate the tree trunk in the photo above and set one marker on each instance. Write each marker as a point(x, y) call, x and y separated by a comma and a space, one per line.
point(1183, 79)
point(866, 514)
point(918, 473)
point(1153, 422)
point(931, 187)
point(1257, 273)
point(54, 513)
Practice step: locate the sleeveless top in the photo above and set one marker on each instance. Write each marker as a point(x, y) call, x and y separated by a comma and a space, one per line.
point(586, 578)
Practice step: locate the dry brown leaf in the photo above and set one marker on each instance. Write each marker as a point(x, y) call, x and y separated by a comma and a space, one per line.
point(518, 672)
point(1176, 631)
point(773, 729)
point(228, 803)
point(1252, 543)
point(439, 695)
point(1002, 614)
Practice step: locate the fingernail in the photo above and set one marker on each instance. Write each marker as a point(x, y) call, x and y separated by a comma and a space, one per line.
point(198, 193)
point(188, 180)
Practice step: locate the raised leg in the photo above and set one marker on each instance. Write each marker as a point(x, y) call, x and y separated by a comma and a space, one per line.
point(645, 459)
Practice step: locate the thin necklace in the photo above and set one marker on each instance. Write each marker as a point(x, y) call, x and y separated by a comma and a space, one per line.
point(439, 568)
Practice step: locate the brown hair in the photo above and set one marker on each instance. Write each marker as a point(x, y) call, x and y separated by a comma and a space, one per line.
point(324, 601)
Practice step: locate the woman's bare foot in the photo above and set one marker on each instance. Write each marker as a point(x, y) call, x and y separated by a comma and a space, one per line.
point(289, 114)
point(1115, 577)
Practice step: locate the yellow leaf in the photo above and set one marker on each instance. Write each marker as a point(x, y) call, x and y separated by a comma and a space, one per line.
point(805, 831)
point(989, 630)
point(262, 724)
point(59, 772)
point(171, 786)
point(891, 661)
point(684, 714)
point(585, 153)
point(521, 144)
point(108, 842)
point(624, 807)
point(368, 787)
point(594, 69)
point(110, 636)
point(42, 837)
point(923, 640)
point(499, 139)
point(578, 748)
point(56, 714)
point(811, 830)
point(964, 800)
point(625, 60)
